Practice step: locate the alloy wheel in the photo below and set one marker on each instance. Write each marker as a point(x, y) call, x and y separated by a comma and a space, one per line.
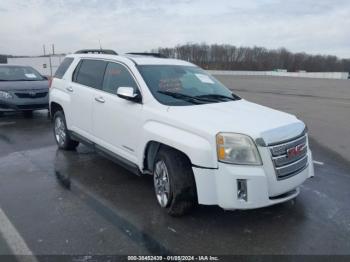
point(60, 131)
point(162, 183)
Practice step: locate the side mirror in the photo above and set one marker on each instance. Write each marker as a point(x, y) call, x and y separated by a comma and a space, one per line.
point(128, 93)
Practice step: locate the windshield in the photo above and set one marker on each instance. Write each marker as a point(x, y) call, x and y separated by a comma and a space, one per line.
point(19, 73)
point(184, 85)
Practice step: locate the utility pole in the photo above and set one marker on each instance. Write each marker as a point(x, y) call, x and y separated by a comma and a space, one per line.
point(53, 49)
point(50, 62)
point(44, 50)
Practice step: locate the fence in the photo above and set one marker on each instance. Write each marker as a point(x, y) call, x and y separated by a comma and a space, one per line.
point(46, 65)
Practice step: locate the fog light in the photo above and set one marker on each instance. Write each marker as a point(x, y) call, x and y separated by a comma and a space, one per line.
point(242, 193)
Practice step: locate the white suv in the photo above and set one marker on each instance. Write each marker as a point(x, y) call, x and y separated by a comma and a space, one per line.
point(170, 119)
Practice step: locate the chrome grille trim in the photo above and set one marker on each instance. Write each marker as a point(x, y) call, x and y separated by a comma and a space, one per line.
point(281, 149)
point(285, 160)
point(291, 168)
point(289, 165)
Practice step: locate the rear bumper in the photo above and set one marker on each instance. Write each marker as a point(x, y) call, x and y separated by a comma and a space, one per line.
point(220, 186)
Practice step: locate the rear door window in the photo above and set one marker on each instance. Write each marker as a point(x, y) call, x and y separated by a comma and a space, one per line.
point(62, 69)
point(90, 73)
point(116, 76)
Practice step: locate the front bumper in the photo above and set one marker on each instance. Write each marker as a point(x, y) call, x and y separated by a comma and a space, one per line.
point(6, 106)
point(219, 186)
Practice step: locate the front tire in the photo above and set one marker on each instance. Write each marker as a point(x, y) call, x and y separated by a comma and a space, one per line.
point(62, 136)
point(174, 183)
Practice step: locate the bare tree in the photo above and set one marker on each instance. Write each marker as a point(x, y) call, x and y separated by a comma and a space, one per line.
point(229, 57)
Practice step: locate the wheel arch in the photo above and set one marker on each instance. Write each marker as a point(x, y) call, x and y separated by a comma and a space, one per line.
point(54, 107)
point(198, 148)
point(150, 153)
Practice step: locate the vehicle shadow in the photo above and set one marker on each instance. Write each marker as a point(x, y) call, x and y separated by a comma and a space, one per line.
point(128, 202)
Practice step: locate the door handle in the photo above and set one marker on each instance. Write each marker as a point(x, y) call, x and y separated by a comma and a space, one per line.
point(100, 99)
point(69, 89)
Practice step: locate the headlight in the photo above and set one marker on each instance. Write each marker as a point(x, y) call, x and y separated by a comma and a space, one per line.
point(237, 149)
point(5, 95)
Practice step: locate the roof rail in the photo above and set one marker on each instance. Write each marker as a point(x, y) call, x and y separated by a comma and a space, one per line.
point(97, 51)
point(148, 54)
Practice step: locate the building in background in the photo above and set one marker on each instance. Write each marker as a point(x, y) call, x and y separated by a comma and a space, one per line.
point(45, 65)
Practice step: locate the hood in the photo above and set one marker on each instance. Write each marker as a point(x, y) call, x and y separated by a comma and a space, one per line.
point(239, 117)
point(23, 85)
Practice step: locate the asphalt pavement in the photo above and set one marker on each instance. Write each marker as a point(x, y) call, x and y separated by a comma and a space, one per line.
point(324, 104)
point(81, 203)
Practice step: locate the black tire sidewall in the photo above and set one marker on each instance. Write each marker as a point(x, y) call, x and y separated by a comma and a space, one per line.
point(182, 184)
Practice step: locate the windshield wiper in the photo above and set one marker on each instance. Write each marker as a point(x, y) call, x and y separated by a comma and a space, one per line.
point(220, 97)
point(187, 98)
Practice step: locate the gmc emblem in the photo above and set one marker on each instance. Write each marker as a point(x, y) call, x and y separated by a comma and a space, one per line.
point(295, 151)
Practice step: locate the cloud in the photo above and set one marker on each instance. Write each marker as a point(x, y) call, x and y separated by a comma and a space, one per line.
point(321, 26)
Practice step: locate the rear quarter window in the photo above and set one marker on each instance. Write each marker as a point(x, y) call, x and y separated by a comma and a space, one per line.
point(90, 73)
point(62, 69)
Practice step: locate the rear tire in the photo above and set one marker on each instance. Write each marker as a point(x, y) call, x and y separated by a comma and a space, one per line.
point(62, 136)
point(174, 183)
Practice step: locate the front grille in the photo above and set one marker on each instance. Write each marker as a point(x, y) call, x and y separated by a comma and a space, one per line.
point(289, 158)
point(31, 95)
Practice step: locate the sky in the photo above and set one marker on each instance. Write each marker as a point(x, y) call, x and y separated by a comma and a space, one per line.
point(316, 27)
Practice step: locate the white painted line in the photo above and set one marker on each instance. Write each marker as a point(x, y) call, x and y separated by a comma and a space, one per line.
point(172, 229)
point(7, 123)
point(318, 163)
point(14, 240)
